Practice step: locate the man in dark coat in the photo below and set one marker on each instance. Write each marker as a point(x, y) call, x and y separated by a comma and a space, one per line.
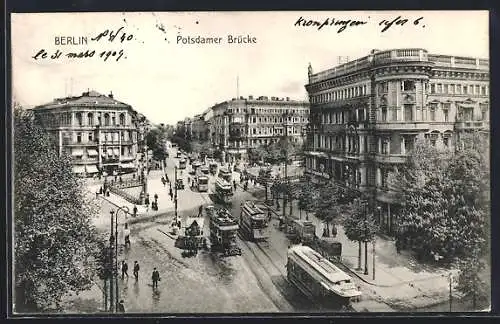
point(124, 269)
point(136, 270)
point(155, 277)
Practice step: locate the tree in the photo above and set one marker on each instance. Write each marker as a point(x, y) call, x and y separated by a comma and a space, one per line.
point(359, 226)
point(328, 208)
point(470, 281)
point(445, 211)
point(264, 178)
point(306, 199)
point(55, 242)
point(156, 140)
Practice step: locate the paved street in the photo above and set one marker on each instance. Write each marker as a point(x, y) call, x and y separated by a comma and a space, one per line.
point(255, 281)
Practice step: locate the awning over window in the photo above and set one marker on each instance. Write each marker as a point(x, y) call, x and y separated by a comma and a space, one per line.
point(127, 166)
point(77, 152)
point(91, 152)
point(91, 169)
point(117, 151)
point(78, 169)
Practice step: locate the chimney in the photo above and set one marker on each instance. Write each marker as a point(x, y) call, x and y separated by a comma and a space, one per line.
point(250, 97)
point(287, 98)
point(110, 94)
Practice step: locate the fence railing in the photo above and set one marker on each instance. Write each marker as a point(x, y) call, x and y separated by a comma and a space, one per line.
point(125, 195)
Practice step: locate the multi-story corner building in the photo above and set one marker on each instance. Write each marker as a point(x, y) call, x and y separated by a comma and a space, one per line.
point(367, 113)
point(98, 131)
point(200, 128)
point(244, 123)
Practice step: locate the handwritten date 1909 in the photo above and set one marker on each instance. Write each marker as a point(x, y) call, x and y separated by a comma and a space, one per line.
point(105, 55)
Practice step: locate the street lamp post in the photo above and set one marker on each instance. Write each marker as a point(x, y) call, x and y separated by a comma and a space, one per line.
point(450, 278)
point(175, 193)
point(373, 252)
point(366, 241)
point(111, 264)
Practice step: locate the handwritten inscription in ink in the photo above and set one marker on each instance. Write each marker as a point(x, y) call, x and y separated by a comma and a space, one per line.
point(97, 49)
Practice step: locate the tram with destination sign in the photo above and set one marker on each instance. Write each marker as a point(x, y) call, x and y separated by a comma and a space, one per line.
point(223, 187)
point(223, 231)
point(254, 223)
point(319, 279)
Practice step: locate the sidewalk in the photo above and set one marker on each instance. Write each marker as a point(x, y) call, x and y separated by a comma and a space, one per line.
point(155, 186)
point(400, 281)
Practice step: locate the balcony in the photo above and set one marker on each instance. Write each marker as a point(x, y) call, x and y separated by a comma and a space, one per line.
point(390, 158)
point(401, 125)
point(469, 125)
point(76, 143)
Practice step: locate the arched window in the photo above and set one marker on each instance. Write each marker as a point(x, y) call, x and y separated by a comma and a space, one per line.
point(106, 119)
point(122, 119)
point(90, 119)
point(79, 119)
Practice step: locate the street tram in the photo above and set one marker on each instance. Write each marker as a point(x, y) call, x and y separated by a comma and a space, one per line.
point(182, 163)
point(223, 231)
point(253, 222)
point(195, 166)
point(303, 231)
point(213, 167)
point(223, 187)
point(319, 279)
point(202, 181)
point(204, 169)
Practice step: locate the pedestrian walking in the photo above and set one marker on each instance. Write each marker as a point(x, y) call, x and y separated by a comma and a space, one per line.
point(155, 277)
point(200, 211)
point(136, 270)
point(171, 194)
point(163, 181)
point(121, 307)
point(156, 197)
point(234, 184)
point(126, 235)
point(124, 269)
point(135, 211)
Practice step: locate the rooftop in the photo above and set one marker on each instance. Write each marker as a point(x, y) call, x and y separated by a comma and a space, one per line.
point(89, 98)
point(401, 55)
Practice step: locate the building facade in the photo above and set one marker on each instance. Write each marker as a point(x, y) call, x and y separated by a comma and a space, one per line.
point(97, 131)
point(244, 123)
point(367, 113)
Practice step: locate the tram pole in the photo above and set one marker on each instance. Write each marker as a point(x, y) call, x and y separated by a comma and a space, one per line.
point(175, 193)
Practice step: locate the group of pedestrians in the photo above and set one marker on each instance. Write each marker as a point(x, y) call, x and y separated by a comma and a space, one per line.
point(155, 278)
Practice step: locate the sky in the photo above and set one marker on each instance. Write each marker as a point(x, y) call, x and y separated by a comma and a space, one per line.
point(168, 81)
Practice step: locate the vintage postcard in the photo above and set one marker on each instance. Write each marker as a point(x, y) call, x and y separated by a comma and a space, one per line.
point(251, 162)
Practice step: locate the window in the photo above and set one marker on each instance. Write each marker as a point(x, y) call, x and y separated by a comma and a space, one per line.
point(451, 88)
point(113, 120)
point(458, 89)
point(384, 114)
point(408, 112)
point(483, 91)
point(439, 88)
point(384, 87)
point(79, 119)
point(476, 91)
point(385, 146)
point(471, 89)
point(445, 113)
point(433, 88)
point(464, 89)
point(90, 137)
point(433, 112)
point(445, 88)
point(106, 119)
point(122, 119)
point(90, 119)
point(78, 137)
point(395, 113)
point(446, 141)
point(408, 85)
point(408, 144)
